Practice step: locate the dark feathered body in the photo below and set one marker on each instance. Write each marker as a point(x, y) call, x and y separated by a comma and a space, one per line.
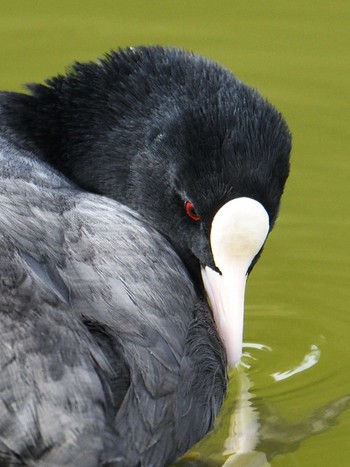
point(100, 355)
point(109, 354)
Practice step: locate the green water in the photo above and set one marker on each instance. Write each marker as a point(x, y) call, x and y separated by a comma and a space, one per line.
point(292, 397)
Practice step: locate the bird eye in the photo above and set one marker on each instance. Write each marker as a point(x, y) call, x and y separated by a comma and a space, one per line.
point(191, 212)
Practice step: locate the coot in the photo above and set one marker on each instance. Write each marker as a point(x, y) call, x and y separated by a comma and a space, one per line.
point(133, 191)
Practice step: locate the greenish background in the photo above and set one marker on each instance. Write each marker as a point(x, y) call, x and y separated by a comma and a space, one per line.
point(297, 55)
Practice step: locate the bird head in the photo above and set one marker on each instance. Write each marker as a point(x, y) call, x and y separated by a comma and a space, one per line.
point(210, 174)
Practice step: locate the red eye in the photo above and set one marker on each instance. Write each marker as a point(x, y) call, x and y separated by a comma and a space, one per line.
point(191, 212)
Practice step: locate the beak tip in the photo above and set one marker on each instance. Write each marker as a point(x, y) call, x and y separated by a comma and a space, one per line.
point(233, 360)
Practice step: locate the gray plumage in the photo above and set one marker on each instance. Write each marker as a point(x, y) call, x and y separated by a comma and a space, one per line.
point(94, 334)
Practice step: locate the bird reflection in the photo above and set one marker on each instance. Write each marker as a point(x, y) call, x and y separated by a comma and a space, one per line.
point(255, 432)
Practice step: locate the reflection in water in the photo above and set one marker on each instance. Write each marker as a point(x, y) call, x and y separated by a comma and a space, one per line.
point(243, 435)
point(277, 437)
point(256, 432)
point(244, 429)
point(251, 443)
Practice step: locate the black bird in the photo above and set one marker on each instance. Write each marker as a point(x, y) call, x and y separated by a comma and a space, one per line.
point(131, 189)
